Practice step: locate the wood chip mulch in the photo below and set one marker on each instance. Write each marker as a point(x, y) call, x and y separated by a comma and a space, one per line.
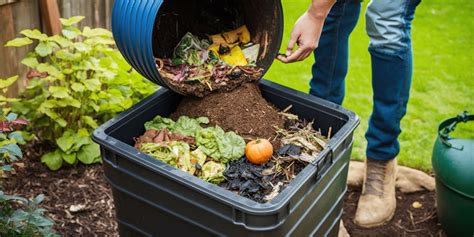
point(77, 198)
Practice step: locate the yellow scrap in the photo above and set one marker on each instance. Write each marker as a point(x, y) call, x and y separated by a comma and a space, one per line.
point(240, 34)
point(231, 39)
point(236, 57)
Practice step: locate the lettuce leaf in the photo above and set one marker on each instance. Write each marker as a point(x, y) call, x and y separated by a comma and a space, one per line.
point(188, 126)
point(185, 126)
point(231, 146)
point(219, 145)
point(159, 123)
point(214, 142)
point(213, 172)
point(171, 152)
point(207, 140)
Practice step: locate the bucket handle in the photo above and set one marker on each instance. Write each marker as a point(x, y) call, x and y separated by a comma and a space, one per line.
point(450, 125)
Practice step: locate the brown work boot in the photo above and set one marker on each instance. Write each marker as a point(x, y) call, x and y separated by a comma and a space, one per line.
point(342, 230)
point(377, 202)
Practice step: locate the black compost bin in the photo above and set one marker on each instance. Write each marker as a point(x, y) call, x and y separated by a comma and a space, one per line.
point(155, 199)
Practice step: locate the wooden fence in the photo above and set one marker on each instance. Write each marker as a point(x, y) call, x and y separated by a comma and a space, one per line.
point(17, 15)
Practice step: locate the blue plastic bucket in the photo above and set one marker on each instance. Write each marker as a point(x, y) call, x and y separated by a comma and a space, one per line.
point(135, 28)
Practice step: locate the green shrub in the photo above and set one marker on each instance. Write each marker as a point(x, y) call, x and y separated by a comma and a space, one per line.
point(77, 80)
point(9, 140)
point(18, 216)
point(22, 217)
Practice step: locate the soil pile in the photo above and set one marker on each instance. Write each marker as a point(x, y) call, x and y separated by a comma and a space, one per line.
point(242, 110)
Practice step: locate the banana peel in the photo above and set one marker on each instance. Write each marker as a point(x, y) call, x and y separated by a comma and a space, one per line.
point(217, 39)
point(235, 57)
point(239, 35)
point(231, 39)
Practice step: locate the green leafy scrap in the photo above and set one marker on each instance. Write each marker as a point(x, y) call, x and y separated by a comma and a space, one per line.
point(215, 147)
point(187, 126)
point(219, 145)
point(159, 123)
point(184, 125)
point(190, 50)
point(168, 152)
point(213, 172)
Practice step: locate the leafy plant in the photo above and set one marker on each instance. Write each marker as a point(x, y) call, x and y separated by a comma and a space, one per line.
point(22, 217)
point(18, 216)
point(9, 140)
point(77, 80)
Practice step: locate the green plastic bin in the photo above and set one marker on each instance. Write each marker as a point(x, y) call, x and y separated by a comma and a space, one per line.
point(453, 165)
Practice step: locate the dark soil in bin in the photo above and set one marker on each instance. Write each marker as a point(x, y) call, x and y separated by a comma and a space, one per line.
point(242, 110)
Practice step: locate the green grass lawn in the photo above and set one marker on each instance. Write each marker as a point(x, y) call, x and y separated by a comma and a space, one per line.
point(443, 83)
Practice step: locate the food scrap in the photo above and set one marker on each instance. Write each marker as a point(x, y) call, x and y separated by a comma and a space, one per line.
point(253, 170)
point(186, 145)
point(224, 59)
point(259, 151)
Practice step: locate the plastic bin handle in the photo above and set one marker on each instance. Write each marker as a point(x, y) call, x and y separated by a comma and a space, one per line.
point(449, 125)
point(325, 162)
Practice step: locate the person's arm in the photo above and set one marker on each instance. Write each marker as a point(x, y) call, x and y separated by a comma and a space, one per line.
point(307, 31)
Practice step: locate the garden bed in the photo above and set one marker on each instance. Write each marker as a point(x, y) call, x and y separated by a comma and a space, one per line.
point(78, 199)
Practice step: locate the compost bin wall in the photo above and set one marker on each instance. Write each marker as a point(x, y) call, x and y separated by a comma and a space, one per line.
point(155, 199)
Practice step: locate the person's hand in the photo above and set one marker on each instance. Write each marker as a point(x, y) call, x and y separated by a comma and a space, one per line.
point(305, 34)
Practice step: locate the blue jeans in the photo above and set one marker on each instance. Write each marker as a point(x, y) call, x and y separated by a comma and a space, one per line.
point(388, 24)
